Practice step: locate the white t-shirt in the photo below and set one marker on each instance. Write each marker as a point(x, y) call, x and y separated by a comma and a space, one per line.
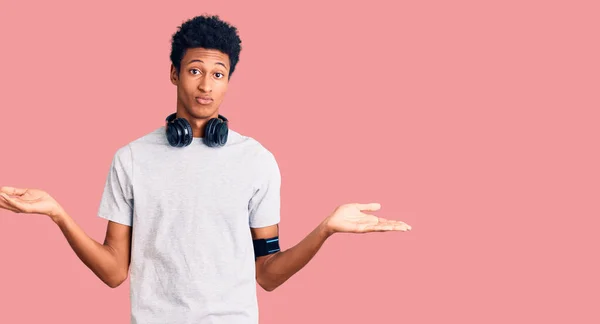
point(191, 210)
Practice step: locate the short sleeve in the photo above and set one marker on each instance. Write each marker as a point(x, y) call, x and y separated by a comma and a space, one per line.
point(116, 203)
point(264, 206)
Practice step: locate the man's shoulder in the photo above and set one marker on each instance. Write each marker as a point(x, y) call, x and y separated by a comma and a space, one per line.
point(154, 136)
point(151, 137)
point(251, 145)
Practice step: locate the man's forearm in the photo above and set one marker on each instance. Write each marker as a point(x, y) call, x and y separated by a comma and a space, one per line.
point(279, 267)
point(99, 258)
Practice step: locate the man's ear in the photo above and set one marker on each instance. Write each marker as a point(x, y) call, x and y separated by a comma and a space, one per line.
point(174, 75)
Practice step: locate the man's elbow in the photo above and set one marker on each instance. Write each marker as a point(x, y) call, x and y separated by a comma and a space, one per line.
point(114, 283)
point(116, 280)
point(267, 283)
point(269, 289)
point(268, 286)
point(268, 278)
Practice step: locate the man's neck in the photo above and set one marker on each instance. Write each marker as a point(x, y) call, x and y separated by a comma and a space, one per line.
point(198, 124)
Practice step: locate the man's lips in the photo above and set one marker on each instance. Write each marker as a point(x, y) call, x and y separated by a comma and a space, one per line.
point(204, 100)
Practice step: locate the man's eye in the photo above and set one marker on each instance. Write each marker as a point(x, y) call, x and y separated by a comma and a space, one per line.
point(219, 75)
point(195, 71)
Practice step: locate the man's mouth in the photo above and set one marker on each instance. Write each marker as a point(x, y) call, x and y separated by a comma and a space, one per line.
point(204, 100)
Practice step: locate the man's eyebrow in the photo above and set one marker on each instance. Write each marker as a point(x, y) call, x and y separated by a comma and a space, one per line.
point(196, 60)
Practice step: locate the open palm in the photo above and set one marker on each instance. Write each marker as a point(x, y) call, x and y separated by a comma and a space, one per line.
point(31, 201)
point(354, 218)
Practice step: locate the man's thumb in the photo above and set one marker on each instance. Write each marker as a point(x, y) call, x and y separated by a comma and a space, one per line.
point(368, 207)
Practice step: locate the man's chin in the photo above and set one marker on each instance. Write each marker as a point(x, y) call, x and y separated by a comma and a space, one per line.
point(202, 112)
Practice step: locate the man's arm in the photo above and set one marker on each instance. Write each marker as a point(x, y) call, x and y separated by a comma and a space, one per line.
point(274, 269)
point(109, 261)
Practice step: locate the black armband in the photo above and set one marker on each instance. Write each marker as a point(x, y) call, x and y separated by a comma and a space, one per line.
point(264, 247)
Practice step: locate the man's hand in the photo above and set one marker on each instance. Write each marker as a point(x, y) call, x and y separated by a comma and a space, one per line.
point(109, 261)
point(354, 218)
point(30, 201)
point(274, 269)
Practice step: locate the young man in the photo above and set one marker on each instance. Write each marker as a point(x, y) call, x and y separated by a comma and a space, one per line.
point(193, 207)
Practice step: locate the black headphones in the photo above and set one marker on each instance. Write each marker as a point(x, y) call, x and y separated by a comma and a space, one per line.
point(179, 131)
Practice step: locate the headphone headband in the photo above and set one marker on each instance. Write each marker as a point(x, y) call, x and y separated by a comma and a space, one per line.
point(170, 118)
point(173, 116)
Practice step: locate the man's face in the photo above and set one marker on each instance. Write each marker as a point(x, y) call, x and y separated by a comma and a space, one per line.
point(201, 82)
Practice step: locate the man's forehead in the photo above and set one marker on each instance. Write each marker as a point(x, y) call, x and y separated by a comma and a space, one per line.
point(205, 56)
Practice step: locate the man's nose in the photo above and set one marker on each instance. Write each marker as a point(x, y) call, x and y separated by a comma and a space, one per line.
point(205, 84)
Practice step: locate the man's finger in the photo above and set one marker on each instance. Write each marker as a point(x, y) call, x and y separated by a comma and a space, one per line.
point(376, 228)
point(368, 207)
point(383, 221)
point(13, 191)
point(13, 203)
point(397, 225)
point(380, 228)
point(5, 205)
point(386, 227)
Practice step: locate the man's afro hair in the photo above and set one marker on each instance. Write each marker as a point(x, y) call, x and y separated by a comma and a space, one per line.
point(209, 32)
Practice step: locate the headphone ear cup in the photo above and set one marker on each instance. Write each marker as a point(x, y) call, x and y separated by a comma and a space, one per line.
point(209, 132)
point(188, 133)
point(221, 133)
point(180, 133)
point(216, 132)
point(172, 134)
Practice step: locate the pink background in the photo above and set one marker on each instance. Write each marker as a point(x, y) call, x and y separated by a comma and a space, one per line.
point(475, 122)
